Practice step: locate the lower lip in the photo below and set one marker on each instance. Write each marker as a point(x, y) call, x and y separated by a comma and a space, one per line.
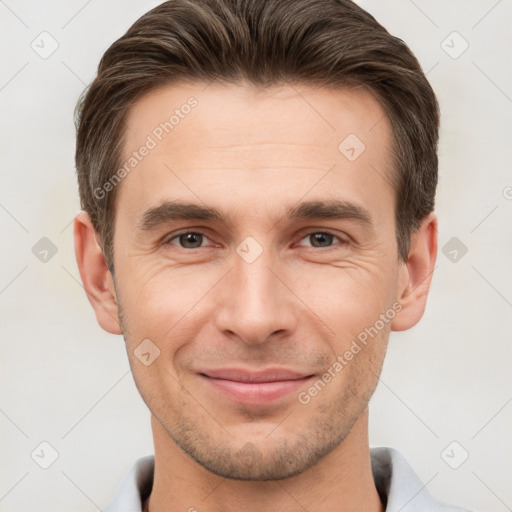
point(256, 393)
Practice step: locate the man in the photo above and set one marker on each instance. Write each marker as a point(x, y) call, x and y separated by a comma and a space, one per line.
point(258, 183)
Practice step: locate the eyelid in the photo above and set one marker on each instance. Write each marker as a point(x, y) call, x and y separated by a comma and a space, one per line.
point(201, 231)
point(311, 231)
point(301, 236)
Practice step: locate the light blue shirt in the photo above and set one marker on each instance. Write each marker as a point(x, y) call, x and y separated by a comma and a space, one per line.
point(398, 486)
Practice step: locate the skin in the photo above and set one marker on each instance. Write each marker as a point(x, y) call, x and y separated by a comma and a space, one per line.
point(252, 154)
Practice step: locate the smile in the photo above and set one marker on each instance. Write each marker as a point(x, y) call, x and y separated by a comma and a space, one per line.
point(255, 388)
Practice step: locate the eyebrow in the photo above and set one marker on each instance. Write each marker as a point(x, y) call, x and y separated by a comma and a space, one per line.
point(169, 211)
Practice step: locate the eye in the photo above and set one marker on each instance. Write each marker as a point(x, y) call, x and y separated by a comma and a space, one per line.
point(321, 239)
point(188, 239)
point(195, 239)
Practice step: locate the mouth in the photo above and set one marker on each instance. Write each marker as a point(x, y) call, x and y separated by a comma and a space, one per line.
point(255, 387)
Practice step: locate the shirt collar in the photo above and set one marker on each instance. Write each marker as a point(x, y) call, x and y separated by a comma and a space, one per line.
point(399, 488)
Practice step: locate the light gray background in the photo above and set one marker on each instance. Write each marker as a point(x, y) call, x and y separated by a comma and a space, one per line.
point(66, 382)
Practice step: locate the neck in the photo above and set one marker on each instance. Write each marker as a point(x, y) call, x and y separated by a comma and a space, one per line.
point(340, 482)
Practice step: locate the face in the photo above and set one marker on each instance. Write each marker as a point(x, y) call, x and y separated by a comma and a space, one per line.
point(236, 311)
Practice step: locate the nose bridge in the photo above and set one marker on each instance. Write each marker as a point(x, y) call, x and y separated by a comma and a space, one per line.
point(254, 303)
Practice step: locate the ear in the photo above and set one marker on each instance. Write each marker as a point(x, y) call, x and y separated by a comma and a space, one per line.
point(96, 276)
point(416, 275)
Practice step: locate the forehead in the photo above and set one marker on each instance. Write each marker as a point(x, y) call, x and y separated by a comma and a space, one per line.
point(221, 139)
point(211, 111)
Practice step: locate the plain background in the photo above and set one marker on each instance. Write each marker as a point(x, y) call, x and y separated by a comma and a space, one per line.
point(66, 382)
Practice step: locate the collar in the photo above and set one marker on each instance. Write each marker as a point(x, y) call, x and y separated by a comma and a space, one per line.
point(398, 486)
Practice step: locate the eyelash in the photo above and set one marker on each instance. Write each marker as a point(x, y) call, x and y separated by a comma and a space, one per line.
point(303, 236)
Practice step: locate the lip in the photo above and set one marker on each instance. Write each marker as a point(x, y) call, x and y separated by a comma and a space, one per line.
point(255, 387)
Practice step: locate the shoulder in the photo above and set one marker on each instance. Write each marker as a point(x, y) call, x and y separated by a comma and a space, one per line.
point(399, 486)
point(135, 487)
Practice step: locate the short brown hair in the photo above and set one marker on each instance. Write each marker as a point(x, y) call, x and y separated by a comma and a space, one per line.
point(264, 43)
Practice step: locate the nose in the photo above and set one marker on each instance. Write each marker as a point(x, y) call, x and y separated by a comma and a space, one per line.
point(255, 302)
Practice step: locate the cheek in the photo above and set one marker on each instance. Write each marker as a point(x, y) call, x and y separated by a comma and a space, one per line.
point(156, 298)
point(158, 387)
point(347, 299)
point(165, 303)
point(166, 312)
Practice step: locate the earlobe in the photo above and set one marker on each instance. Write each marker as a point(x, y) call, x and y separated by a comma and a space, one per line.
point(416, 275)
point(95, 274)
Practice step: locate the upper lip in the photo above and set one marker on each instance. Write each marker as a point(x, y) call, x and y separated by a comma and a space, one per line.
point(268, 375)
